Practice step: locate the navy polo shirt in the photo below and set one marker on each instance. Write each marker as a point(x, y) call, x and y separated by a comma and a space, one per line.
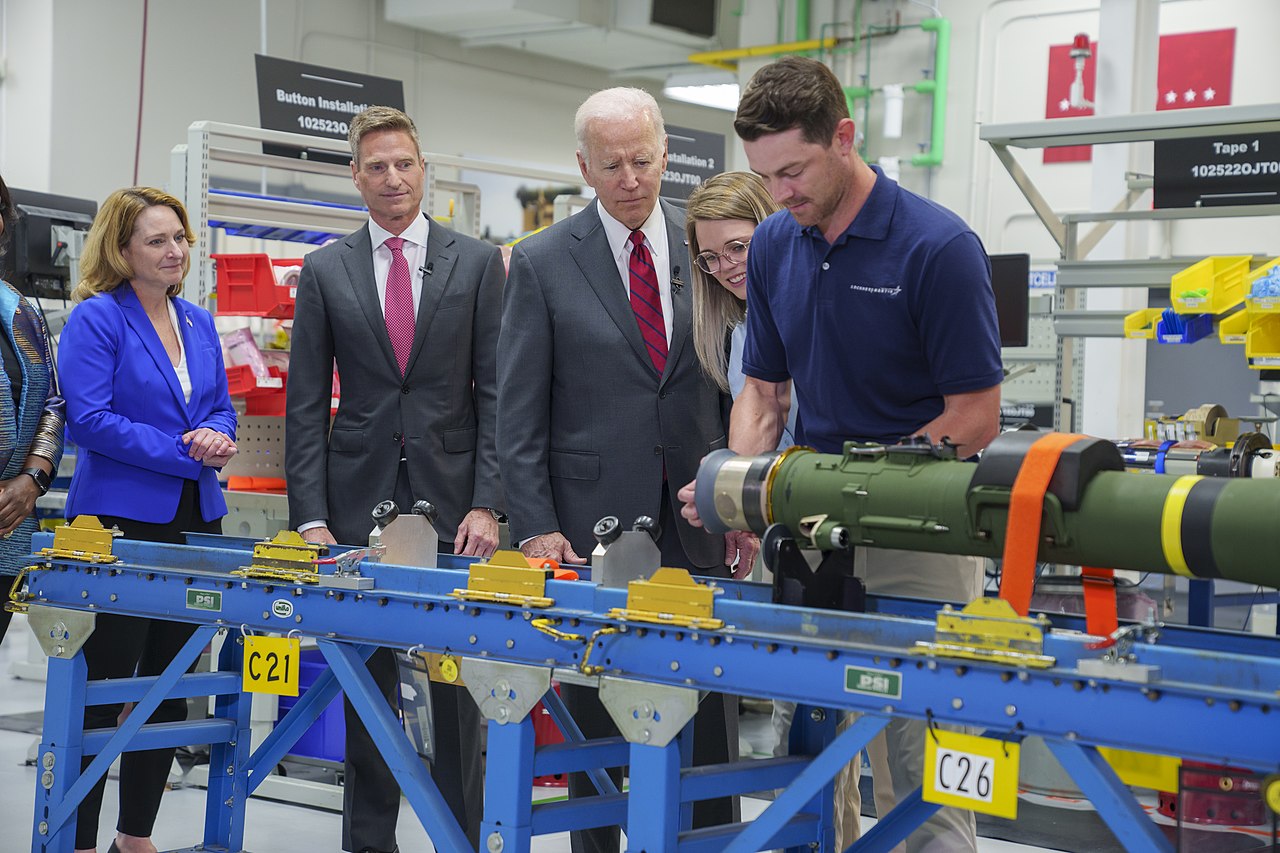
point(875, 328)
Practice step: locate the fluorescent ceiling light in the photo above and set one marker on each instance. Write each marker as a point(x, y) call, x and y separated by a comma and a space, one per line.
point(718, 89)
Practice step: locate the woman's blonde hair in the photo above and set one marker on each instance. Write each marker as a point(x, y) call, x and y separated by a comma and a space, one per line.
point(716, 311)
point(103, 266)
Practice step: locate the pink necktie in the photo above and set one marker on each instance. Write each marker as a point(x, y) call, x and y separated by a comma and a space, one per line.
point(399, 303)
point(647, 303)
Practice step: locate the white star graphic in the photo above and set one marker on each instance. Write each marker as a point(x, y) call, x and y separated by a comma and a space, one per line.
point(1210, 93)
point(1170, 97)
point(1064, 105)
point(1189, 95)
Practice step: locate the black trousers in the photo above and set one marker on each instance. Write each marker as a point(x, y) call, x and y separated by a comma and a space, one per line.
point(715, 726)
point(120, 647)
point(371, 795)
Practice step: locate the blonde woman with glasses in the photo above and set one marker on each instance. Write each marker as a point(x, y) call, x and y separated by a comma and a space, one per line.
point(722, 215)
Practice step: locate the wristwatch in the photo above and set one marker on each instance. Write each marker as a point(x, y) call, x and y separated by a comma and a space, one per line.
point(497, 516)
point(42, 479)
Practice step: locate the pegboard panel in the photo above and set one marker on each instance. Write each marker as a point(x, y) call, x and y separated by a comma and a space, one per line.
point(1035, 386)
point(260, 440)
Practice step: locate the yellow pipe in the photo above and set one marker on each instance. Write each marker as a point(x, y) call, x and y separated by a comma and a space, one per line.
point(726, 59)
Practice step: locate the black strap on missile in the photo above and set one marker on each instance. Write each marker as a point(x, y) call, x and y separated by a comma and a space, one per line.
point(1197, 526)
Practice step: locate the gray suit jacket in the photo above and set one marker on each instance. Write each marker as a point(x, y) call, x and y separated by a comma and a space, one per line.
point(585, 424)
point(445, 407)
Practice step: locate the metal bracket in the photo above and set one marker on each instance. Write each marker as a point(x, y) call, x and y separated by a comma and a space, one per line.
point(505, 692)
point(626, 556)
point(410, 540)
point(346, 568)
point(652, 714)
point(1118, 669)
point(990, 630)
point(670, 597)
point(60, 632)
point(507, 579)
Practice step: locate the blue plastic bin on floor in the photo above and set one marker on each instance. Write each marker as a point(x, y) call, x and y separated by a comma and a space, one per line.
point(327, 736)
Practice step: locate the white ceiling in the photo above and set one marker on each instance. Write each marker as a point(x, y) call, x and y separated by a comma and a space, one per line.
point(613, 35)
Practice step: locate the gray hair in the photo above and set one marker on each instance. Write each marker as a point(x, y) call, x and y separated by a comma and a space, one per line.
point(612, 104)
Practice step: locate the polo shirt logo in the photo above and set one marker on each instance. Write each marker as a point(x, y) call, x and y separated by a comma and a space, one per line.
point(879, 291)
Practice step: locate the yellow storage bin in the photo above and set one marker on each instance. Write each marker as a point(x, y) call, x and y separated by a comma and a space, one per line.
point(1142, 323)
point(1267, 304)
point(1212, 286)
point(1262, 344)
point(1234, 329)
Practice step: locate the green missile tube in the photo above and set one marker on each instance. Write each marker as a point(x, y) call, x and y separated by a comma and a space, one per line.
point(920, 498)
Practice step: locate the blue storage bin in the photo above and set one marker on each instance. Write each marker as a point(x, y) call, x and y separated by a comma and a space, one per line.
point(1193, 328)
point(326, 739)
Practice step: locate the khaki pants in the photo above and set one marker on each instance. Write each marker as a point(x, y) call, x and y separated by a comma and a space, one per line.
point(897, 752)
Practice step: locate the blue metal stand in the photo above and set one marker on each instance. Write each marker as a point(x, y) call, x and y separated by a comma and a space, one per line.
point(405, 764)
point(1114, 802)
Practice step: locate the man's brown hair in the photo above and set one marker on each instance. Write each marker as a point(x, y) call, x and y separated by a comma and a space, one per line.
point(792, 92)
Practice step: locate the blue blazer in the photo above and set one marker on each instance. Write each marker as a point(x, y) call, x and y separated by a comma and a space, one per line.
point(125, 408)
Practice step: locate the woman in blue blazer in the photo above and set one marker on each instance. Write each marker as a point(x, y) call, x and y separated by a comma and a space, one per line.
point(30, 421)
point(147, 404)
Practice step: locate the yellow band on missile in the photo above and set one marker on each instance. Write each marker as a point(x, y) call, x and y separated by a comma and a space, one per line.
point(1171, 524)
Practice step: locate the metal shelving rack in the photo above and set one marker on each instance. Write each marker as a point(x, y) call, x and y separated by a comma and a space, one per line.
point(1074, 271)
point(210, 143)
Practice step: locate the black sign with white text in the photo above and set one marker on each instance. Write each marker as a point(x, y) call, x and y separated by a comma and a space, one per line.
point(1217, 171)
point(317, 101)
point(692, 157)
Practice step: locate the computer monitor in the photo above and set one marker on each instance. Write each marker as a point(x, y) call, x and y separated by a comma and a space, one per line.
point(1011, 281)
point(37, 262)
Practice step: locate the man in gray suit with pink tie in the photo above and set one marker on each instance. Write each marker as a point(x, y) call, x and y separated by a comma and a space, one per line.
point(409, 311)
point(603, 408)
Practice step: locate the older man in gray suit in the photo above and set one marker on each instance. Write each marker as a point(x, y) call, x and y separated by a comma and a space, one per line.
point(603, 408)
point(409, 311)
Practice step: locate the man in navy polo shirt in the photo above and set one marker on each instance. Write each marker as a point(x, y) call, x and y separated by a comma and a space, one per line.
point(877, 304)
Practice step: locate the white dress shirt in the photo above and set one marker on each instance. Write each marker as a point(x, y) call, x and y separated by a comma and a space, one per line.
point(414, 250)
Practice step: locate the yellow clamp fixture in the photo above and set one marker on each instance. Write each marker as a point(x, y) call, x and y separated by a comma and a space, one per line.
point(286, 557)
point(507, 579)
point(670, 597)
point(989, 630)
point(84, 538)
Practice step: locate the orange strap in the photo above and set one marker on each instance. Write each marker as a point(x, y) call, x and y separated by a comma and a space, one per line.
point(1026, 511)
point(1100, 617)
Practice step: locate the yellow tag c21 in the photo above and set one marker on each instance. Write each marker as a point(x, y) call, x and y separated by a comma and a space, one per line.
point(971, 772)
point(271, 665)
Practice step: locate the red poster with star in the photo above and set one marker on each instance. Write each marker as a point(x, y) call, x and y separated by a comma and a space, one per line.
point(1194, 70)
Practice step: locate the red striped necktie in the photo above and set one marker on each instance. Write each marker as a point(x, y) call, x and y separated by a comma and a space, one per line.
point(399, 303)
point(646, 302)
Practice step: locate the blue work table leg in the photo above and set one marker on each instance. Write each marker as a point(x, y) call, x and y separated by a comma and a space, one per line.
point(1113, 800)
point(405, 764)
point(228, 790)
point(653, 809)
point(60, 752)
point(508, 787)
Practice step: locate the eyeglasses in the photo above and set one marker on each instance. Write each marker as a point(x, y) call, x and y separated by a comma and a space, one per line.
point(735, 252)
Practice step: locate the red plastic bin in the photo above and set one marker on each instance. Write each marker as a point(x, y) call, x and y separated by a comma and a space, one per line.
point(260, 399)
point(247, 286)
point(545, 733)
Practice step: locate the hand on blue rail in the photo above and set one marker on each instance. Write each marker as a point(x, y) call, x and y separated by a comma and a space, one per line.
point(551, 545)
point(477, 535)
point(689, 510)
point(319, 536)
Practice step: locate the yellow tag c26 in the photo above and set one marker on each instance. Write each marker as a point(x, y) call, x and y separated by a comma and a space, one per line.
point(971, 772)
point(271, 665)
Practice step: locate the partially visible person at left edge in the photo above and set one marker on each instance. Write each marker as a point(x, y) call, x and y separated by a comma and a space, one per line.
point(147, 403)
point(31, 414)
